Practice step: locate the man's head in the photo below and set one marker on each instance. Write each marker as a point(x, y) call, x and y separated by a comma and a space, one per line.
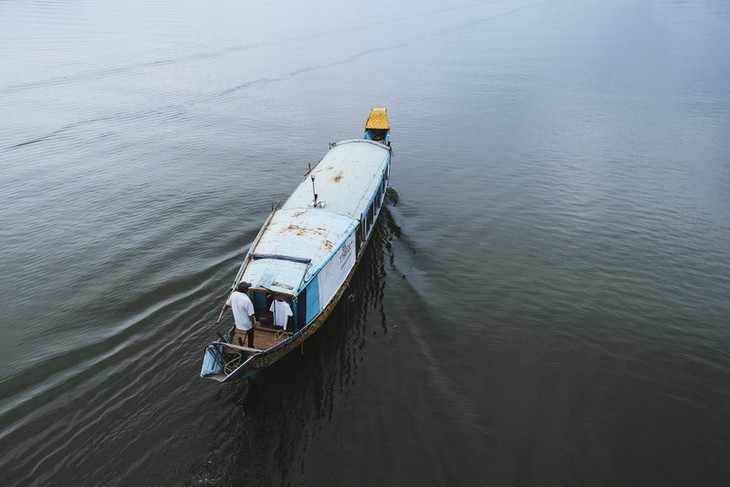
point(243, 286)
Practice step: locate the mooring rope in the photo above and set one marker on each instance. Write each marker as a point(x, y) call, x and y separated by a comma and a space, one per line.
point(232, 362)
point(282, 335)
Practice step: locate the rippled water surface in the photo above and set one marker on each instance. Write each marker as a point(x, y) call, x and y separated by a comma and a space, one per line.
point(546, 302)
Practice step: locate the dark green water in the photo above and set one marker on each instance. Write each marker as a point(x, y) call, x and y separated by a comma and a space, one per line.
point(547, 303)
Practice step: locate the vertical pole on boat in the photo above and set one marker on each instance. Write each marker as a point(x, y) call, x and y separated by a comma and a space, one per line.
point(314, 191)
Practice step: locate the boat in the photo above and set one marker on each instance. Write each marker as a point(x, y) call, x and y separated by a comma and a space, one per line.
point(307, 252)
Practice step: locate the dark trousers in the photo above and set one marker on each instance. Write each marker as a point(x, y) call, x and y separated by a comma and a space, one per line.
point(238, 337)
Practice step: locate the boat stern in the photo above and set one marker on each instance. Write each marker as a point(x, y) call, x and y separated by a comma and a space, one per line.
point(213, 362)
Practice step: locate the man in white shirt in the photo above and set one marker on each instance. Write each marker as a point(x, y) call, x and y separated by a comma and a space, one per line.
point(243, 312)
point(282, 312)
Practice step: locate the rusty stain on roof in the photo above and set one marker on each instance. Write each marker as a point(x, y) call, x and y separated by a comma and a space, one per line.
point(300, 231)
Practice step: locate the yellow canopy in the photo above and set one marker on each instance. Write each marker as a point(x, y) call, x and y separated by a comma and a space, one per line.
point(378, 119)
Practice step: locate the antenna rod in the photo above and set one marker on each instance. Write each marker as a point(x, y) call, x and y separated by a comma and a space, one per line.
point(314, 191)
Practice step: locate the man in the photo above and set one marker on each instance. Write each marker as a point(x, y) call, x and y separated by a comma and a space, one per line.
point(282, 312)
point(243, 313)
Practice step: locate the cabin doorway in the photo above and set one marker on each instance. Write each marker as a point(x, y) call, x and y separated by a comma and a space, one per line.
point(273, 310)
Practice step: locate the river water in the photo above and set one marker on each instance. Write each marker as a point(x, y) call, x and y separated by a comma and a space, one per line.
point(545, 302)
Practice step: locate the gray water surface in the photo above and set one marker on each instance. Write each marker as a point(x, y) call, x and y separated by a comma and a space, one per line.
point(546, 301)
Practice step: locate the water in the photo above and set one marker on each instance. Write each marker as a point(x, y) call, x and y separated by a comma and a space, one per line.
point(544, 303)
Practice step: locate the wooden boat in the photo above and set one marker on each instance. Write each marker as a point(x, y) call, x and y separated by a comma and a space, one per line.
point(307, 251)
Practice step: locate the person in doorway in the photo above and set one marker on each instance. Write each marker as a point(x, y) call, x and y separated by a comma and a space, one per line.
point(243, 312)
point(282, 312)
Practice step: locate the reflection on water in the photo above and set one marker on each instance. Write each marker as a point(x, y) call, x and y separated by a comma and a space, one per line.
point(263, 428)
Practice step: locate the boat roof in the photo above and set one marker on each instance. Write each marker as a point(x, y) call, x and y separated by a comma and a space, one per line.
point(378, 119)
point(300, 238)
point(345, 178)
point(292, 237)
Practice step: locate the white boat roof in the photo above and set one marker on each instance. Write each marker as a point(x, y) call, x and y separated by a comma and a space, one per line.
point(345, 179)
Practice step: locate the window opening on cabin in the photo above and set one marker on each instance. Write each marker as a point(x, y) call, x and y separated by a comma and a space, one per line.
point(301, 310)
point(358, 238)
point(363, 229)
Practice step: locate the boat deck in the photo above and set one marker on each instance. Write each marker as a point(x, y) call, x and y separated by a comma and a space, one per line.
point(263, 337)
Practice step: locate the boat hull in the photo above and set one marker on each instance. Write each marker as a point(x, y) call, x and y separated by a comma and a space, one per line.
point(308, 251)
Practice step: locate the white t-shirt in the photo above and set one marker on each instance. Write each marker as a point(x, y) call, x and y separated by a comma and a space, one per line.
point(282, 312)
point(242, 308)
